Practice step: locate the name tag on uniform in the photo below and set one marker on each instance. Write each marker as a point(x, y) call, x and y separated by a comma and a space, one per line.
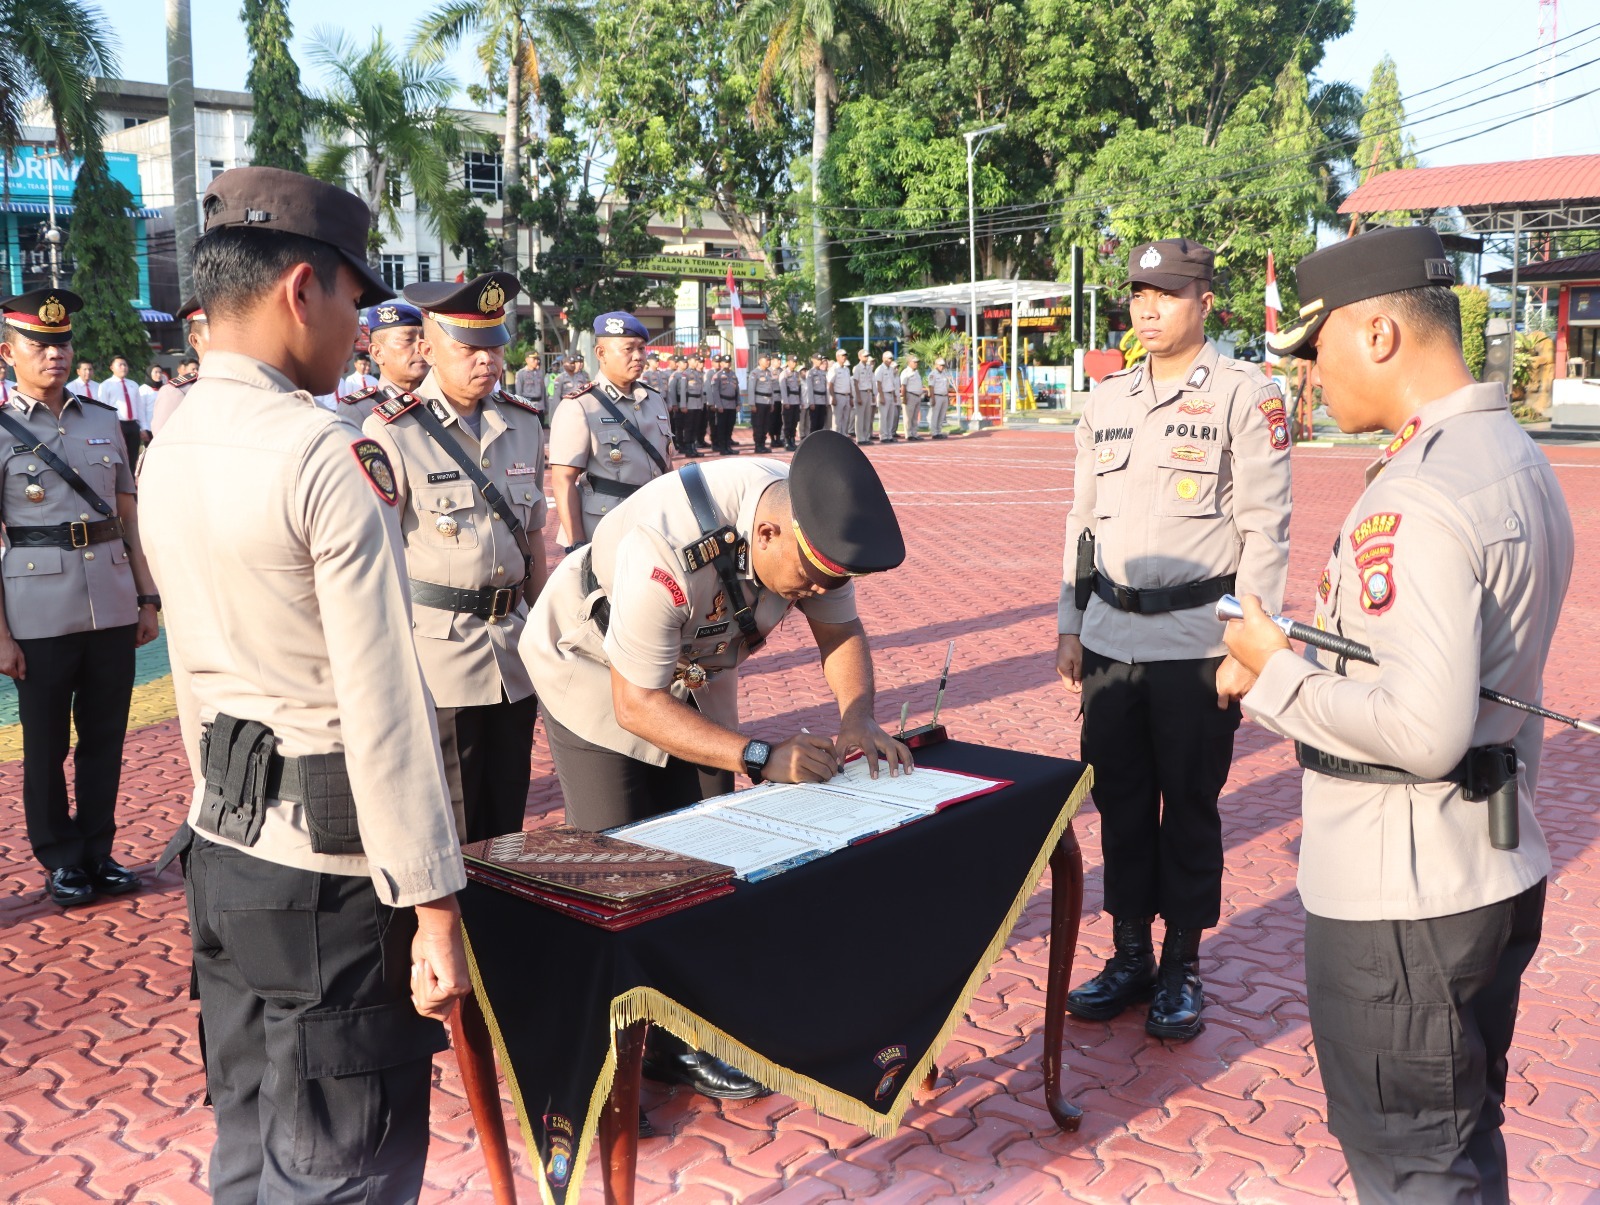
point(452, 475)
point(93, 441)
point(715, 629)
point(21, 449)
point(521, 470)
point(606, 418)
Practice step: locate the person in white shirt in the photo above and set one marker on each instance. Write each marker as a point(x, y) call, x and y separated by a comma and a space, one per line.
point(123, 395)
point(84, 385)
point(360, 379)
point(148, 392)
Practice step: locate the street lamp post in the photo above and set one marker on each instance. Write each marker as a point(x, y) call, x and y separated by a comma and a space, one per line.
point(52, 235)
point(973, 137)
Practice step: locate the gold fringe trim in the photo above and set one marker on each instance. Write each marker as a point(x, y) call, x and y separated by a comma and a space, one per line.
point(648, 1004)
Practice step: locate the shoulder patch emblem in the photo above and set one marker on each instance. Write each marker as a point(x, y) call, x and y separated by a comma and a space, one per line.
point(370, 455)
point(511, 399)
point(1277, 416)
point(395, 406)
point(1377, 584)
point(1385, 523)
point(670, 584)
point(184, 380)
point(1403, 436)
point(361, 395)
point(1325, 586)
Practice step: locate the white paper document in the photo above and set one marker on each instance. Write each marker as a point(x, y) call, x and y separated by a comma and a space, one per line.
point(714, 838)
point(924, 789)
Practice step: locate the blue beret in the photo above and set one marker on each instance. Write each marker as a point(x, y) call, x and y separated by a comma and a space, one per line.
point(620, 322)
point(392, 313)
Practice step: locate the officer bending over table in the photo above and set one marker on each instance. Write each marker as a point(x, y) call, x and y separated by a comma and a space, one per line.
point(636, 642)
point(1451, 567)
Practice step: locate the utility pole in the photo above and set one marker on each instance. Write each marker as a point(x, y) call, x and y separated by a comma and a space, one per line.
point(180, 121)
point(973, 137)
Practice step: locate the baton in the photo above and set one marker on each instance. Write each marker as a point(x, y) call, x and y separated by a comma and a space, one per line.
point(1228, 607)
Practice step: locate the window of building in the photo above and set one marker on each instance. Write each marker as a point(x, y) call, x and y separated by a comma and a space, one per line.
point(393, 270)
point(392, 183)
point(424, 268)
point(217, 167)
point(483, 175)
point(129, 122)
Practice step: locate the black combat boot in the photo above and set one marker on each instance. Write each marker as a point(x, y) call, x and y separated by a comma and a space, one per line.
point(1175, 1012)
point(1129, 974)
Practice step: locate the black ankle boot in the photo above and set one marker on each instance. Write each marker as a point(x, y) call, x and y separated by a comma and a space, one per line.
point(1129, 974)
point(1175, 1012)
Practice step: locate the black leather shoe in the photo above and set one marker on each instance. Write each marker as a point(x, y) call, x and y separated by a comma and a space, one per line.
point(70, 886)
point(112, 879)
point(1175, 1012)
point(646, 1130)
point(706, 1074)
point(1129, 975)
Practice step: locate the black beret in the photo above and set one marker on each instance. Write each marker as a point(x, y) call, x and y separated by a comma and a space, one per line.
point(845, 523)
point(1389, 260)
point(472, 312)
point(271, 198)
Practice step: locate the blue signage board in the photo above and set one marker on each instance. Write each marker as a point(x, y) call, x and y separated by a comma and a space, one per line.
point(1583, 305)
point(31, 174)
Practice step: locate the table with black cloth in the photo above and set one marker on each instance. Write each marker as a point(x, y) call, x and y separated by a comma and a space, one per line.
point(836, 983)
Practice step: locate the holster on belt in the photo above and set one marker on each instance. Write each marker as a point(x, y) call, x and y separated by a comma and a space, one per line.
point(237, 756)
point(1083, 582)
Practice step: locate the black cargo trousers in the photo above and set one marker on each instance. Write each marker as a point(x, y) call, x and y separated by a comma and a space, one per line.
point(317, 1064)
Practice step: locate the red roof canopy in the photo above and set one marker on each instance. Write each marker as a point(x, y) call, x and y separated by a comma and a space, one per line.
point(1519, 183)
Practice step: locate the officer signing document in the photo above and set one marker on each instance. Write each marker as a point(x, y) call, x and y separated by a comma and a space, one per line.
point(1452, 567)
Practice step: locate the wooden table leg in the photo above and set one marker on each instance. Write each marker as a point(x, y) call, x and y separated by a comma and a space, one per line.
point(619, 1123)
point(1066, 911)
point(475, 1053)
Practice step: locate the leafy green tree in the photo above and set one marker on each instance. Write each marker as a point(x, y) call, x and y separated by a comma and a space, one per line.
point(578, 269)
point(56, 50)
point(279, 110)
point(1384, 144)
point(802, 47)
point(509, 34)
point(106, 274)
point(1474, 320)
point(385, 119)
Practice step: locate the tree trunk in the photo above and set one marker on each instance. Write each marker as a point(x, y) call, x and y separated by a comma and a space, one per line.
point(180, 120)
point(511, 170)
point(821, 269)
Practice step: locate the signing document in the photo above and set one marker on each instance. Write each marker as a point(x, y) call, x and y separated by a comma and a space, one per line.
point(771, 828)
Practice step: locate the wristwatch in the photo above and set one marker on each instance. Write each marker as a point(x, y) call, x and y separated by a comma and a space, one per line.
point(755, 759)
point(153, 599)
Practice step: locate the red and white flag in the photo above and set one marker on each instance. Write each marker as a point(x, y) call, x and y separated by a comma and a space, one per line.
point(1274, 304)
point(741, 338)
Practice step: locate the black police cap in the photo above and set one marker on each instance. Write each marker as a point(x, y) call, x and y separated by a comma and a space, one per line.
point(1373, 264)
point(473, 312)
point(43, 315)
point(844, 521)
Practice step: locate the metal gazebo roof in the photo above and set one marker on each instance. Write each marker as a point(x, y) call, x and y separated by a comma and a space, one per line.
point(990, 292)
point(1558, 193)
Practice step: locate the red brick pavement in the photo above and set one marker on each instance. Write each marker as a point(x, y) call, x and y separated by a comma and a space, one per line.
point(100, 1092)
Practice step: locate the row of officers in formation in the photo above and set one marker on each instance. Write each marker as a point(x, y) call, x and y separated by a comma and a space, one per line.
point(362, 623)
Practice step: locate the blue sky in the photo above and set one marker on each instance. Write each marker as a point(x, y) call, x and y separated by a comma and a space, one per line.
point(1430, 53)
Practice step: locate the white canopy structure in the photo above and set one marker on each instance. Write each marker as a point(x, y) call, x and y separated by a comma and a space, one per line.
point(972, 295)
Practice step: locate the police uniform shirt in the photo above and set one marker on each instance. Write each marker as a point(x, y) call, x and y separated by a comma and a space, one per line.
point(584, 436)
point(453, 539)
point(886, 382)
point(655, 380)
point(354, 407)
point(694, 388)
point(54, 591)
point(941, 384)
point(911, 382)
point(790, 385)
point(663, 617)
point(530, 384)
point(1180, 483)
point(168, 398)
point(288, 606)
point(763, 386)
point(1452, 567)
point(817, 386)
point(726, 389)
point(865, 380)
point(841, 381)
point(567, 383)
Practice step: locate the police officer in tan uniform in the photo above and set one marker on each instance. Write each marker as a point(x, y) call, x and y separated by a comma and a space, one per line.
point(78, 597)
point(395, 332)
point(911, 391)
point(886, 392)
point(941, 390)
point(530, 382)
point(1181, 495)
point(791, 391)
point(474, 567)
point(616, 437)
point(571, 379)
point(1451, 566)
point(814, 398)
point(695, 380)
point(841, 386)
point(761, 392)
point(322, 875)
point(170, 396)
point(654, 377)
point(866, 399)
point(637, 624)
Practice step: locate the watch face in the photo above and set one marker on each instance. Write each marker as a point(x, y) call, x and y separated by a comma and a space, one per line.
point(758, 752)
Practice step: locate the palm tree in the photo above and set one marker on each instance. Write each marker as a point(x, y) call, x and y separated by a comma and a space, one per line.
point(57, 50)
point(805, 46)
point(509, 33)
point(384, 119)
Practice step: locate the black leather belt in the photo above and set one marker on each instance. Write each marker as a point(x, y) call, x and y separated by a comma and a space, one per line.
point(66, 535)
point(491, 603)
point(1479, 772)
point(615, 489)
point(1163, 598)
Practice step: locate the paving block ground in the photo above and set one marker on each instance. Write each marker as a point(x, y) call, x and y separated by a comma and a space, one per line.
point(100, 1083)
